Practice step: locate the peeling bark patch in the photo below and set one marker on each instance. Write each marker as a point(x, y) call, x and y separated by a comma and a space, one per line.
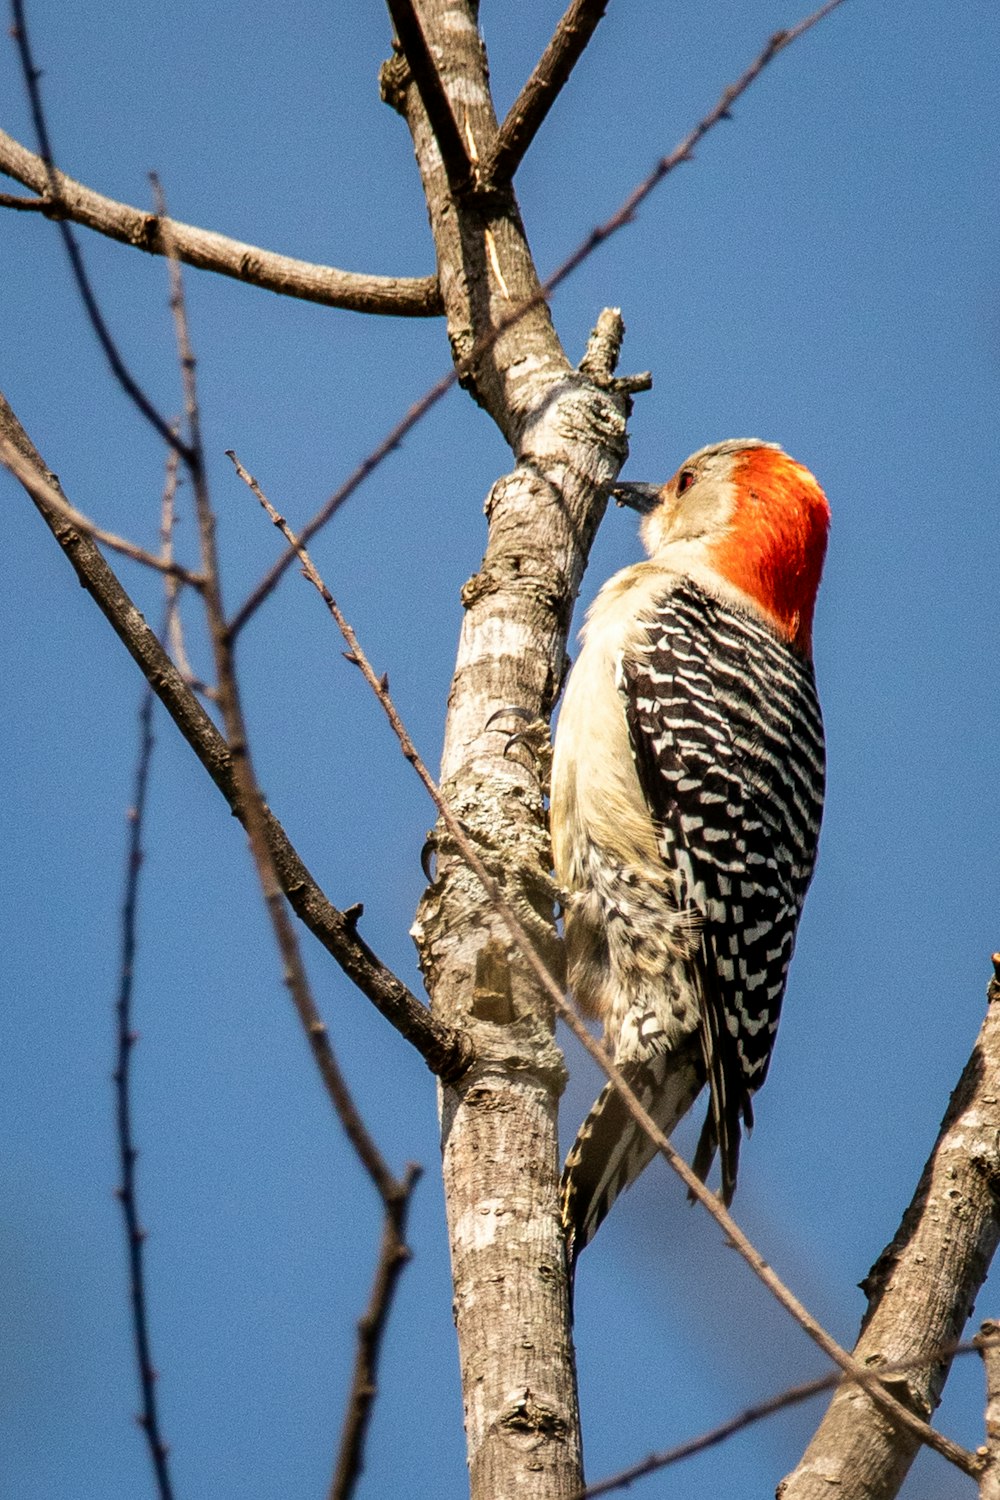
point(530, 1420)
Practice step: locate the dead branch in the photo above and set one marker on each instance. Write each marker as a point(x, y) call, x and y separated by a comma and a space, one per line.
point(443, 1049)
point(987, 1344)
point(387, 296)
point(121, 372)
point(550, 74)
point(395, 1195)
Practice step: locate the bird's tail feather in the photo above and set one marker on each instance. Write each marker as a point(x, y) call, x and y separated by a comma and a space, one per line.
point(611, 1149)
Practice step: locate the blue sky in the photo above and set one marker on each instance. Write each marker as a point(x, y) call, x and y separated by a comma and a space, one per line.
point(825, 274)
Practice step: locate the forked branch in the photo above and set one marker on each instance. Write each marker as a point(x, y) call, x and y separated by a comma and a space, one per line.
point(551, 72)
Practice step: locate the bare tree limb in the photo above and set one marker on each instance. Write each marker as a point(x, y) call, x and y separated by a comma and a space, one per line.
point(413, 45)
point(444, 1050)
point(987, 1344)
point(249, 798)
point(921, 1290)
point(389, 296)
point(551, 72)
point(389, 443)
point(24, 205)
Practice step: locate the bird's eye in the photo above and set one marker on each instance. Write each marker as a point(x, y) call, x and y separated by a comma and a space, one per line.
point(685, 480)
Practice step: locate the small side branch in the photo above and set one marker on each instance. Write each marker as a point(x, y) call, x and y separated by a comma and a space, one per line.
point(44, 492)
point(540, 92)
point(121, 372)
point(389, 443)
point(388, 296)
point(987, 1344)
point(395, 1195)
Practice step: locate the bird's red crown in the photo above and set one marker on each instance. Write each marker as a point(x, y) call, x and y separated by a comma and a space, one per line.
point(774, 546)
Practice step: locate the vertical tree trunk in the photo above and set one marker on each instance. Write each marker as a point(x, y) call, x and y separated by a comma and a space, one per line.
point(499, 1123)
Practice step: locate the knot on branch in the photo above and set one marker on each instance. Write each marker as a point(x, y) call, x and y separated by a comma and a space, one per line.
point(394, 78)
point(531, 1419)
point(492, 997)
point(993, 988)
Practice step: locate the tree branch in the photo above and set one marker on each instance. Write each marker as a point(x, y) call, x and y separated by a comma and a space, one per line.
point(122, 374)
point(388, 296)
point(986, 1344)
point(395, 1195)
point(445, 1051)
point(533, 103)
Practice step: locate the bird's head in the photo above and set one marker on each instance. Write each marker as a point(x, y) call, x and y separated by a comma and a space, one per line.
point(750, 514)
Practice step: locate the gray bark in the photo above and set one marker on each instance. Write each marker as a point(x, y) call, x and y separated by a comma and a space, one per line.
point(499, 1126)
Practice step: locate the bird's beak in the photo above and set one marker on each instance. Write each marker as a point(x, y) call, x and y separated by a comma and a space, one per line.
point(641, 497)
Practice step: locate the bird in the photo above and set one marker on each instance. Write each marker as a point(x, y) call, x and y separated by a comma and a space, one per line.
point(686, 797)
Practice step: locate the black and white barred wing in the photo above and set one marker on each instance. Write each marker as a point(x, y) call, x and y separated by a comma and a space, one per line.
point(728, 743)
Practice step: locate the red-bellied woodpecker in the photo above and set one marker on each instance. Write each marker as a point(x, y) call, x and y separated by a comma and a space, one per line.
point(687, 791)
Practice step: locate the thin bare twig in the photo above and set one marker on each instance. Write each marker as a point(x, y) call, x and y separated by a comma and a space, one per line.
point(25, 205)
point(119, 368)
point(173, 629)
point(986, 1343)
point(251, 800)
point(953, 1452)
point(538, 95)
point(149, 1419)
point(393, 1256)
point(44, 492)
point(388, 296)
point(466, 366)
point(395, 1195)
point(413, 45)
